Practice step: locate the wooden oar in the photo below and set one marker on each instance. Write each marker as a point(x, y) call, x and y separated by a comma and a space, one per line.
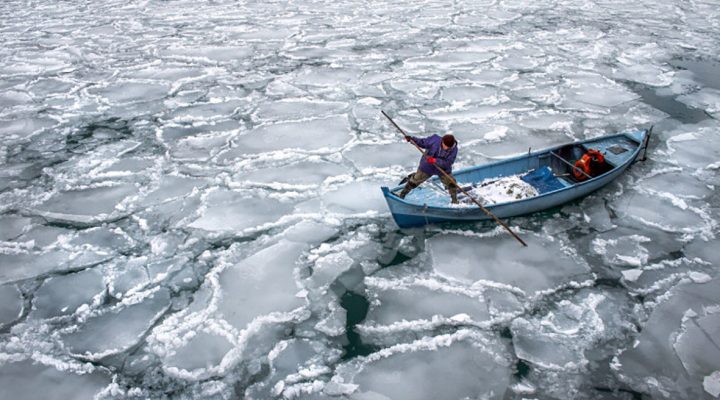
point(442, 171)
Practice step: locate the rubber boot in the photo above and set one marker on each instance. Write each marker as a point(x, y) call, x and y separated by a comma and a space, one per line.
point(453, 193)
point(408, 187)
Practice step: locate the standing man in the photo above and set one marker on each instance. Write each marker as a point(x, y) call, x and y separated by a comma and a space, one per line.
point(440, 152)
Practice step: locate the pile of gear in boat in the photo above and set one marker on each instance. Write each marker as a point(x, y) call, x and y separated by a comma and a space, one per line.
point(521, 186)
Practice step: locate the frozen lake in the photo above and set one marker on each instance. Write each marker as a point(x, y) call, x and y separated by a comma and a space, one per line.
point(190, 202)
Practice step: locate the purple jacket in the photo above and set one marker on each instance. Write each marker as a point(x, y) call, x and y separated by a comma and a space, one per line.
point(444, 158)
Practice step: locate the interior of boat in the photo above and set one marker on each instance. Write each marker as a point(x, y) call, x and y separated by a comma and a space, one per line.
point(546, 172)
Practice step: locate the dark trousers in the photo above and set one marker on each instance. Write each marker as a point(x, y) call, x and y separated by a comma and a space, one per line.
point(419, 177)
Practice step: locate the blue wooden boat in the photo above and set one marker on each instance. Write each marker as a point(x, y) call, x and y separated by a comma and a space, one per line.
point(549, 171)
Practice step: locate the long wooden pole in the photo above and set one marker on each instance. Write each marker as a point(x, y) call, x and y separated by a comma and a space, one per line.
point(485, 210)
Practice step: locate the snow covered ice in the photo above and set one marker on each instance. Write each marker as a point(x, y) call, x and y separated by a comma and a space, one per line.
point(190, 203)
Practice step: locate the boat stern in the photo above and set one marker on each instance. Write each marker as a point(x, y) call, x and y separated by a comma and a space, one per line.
point(638, 136)
point(643, 138)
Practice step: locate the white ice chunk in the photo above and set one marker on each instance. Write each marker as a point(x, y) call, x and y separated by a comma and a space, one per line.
point(622, 250)
point(13, 226)
point(697, 345)
point(172, 187)
point(645, 73)
point(10, 98)
point(674, 351)
point(296, 109)
point(209, 54)
point(334, 323)
point(261, 284)
point(132, 92)
point(23, 266)
point(631, 275)
point(128, 274)
point(127, 166)
point(496, 260)
point(301, 173)
point(429, 369)
point(53, 297)
point(117, 330)
point(409, 308)
point(165, 72)
point(355, 197)
point(678, 183)
point(329, 267)
point(326, 133)
point(594, 90)
point(480, 113)
point(453, 59)
point(367, 156)
point(407, 303)
point(596, 214)
point(707, 99)
point(293, 362)
point(468, 93)
point(11, 303)
point(29, 381)
point(547, 119)
point(697, 148)
point(705, 250)
point(230, 211)
point(203, 350)
point(660, 212)
point(558, 339)
point(24, 127)
point(310, 232)
point(212, 112)
point(200, 146)
point(711, 384)
point(327, 77)
point(86, 205)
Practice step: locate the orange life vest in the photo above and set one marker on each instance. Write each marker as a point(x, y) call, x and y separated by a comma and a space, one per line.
point(584, 164)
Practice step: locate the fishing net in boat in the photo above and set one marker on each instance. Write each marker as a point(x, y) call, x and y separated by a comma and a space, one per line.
point(499, 190)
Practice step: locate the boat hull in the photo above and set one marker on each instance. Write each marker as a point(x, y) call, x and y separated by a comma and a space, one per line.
point(408, 214)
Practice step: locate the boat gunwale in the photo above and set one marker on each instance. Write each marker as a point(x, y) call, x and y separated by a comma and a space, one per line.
point(387, 191)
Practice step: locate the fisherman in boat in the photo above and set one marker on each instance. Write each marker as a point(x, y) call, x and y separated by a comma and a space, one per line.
point(440, 152)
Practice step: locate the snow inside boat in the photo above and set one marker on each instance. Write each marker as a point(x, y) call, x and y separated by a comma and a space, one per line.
point(525, 184)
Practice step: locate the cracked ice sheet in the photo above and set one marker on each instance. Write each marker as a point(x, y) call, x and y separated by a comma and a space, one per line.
point(427, 369)
point(180, 98)
point(10, 304)
point(678, 346)
point(328, 133)
point(25, 379)
point(564, 343)
point(87, 206)
point(294, 364)
point(52, 298)
point(118, 329)
point(232, 211)
point(694, 147)
point(543, 267)
point(238, 312)
point(406, 307)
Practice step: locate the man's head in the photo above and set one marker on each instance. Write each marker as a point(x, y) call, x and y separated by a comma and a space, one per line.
point(448, 141)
